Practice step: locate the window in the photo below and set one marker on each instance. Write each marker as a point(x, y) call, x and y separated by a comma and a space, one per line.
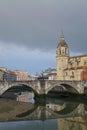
point(72, 74)
point(66, 74)
point(85, 63)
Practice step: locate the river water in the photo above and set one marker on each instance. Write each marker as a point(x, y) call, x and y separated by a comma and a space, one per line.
point(30, 125)
point(51, 114)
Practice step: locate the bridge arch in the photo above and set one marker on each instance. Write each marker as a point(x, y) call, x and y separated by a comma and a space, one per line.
point(63, 87)
point(9, 86)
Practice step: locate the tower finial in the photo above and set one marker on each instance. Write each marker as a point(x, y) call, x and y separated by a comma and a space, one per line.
point(62, 37)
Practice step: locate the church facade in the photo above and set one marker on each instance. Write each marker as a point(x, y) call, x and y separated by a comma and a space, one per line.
point(69, 68)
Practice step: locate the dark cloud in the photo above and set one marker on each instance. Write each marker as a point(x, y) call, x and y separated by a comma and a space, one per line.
point(37, 24)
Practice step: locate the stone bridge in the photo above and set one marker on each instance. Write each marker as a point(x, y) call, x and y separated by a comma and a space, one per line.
point(44, 86)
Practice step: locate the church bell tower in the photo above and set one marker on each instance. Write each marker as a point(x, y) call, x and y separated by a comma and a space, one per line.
point(62, 56)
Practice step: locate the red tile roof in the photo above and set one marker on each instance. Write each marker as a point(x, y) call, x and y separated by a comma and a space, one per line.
point(11, 72)
point(54, 74)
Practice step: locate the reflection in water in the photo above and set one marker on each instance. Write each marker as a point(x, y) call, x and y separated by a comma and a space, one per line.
point(55, 108)
point(22, 96)
point(73, 123)
point(25, 97)
point(55, 124)
point(54, 115)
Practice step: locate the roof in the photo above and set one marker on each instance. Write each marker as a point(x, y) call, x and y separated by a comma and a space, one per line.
point(83, 55)
point(11, 72)
point(54, 74)
point(62, 42)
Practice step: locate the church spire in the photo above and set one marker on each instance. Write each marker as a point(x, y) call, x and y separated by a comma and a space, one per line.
point(62, 38)
point(62, 48)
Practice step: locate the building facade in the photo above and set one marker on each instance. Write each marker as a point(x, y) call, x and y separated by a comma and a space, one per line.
point(21, 75)
point(70, 68)
point(48, 74)
point(9, 76)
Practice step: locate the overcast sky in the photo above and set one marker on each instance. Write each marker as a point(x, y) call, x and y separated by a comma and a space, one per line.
point(30, 31)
